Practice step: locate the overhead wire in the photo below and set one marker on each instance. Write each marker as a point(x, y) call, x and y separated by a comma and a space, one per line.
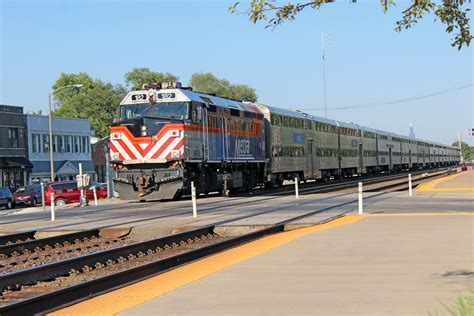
point(395, 101)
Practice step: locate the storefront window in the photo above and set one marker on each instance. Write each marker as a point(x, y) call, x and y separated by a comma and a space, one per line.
point(13, 137)
point(67, 143)
point(45, 143)
point(35, 143)
point(61, 143)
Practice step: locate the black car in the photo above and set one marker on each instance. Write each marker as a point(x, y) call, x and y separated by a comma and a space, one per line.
point(6, 198)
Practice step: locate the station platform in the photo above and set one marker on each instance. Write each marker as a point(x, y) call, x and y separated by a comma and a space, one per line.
point(460, 184)
point(404, 256)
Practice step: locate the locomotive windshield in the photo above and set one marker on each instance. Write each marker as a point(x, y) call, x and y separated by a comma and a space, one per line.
point(173, 110)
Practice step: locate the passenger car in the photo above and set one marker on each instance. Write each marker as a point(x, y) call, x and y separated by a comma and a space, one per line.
point(66, 192)
point(6, 198)
point(29, 195)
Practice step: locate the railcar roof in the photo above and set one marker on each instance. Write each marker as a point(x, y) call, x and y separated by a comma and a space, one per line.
point(183, 95)
point(286, 112)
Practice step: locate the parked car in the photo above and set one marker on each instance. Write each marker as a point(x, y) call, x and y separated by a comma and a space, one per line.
point(28, 195)
point(6, 198)
point(66, 192)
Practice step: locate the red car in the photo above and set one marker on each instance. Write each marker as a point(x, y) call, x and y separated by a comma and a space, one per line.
point(66, 192)
point(29, 195)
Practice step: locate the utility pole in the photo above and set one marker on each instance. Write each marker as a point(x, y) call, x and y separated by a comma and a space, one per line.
point(324, 74)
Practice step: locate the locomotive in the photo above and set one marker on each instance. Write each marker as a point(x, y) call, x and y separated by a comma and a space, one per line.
point(169, 136)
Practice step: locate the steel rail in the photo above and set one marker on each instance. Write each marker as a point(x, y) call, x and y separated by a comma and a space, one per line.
point(48, 241)
point(17, 237)
point(53, 300)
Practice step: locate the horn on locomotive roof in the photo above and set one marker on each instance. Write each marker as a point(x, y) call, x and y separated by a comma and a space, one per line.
point(171, 85)
point(162, 85)
point(154, 85)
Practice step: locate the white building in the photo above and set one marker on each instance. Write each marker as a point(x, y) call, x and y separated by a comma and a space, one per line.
point(71, 146)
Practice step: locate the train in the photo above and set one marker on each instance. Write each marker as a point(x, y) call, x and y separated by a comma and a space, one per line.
point(169, 137)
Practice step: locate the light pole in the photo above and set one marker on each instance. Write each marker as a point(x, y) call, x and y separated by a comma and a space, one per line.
point(51, 155)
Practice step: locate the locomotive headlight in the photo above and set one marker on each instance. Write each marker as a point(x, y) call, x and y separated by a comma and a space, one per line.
point(115, 156)
point(176, 153)
point(144, 130)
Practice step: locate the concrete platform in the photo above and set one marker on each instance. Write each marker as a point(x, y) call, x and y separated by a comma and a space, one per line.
point(378, 266)
point(458, 185)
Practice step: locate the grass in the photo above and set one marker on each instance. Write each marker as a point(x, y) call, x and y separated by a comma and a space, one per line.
point(462, 306)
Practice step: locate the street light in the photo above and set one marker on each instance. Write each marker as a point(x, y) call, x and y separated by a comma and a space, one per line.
point(51, 157)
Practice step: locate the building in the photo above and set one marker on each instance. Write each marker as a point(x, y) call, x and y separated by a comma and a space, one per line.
point(14, 163)
point(411, 133)
point(71, 146)
point(100, 149)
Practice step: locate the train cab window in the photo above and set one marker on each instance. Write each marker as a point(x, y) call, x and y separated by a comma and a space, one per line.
point(197, 113)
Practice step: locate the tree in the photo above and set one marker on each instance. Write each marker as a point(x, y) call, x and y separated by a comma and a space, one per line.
point(452, 13)
point(96, 100)
point(138, 76)
point(466, 150)
point(208, 83)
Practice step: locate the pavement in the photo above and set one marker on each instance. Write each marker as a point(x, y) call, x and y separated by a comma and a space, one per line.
point(377, 266)
point(460, 184)
point(404, 256)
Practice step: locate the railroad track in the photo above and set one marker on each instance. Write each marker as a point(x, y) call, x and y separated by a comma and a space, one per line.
point(35, 252)
point(84, 274)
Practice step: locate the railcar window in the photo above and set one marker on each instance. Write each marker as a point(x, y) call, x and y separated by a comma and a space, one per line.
point(212, 108)
point(234, 112)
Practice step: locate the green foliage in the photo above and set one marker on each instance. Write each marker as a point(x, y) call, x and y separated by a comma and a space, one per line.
point(138, 76)
point(96, 100)
point(452, 13)
point(466, 150)
point(208, 83)
point(462, 306)
point(99, 101)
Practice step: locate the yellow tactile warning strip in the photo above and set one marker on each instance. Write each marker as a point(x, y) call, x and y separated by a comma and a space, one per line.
point(140, 292)
point(422, 214)
point(430, 186)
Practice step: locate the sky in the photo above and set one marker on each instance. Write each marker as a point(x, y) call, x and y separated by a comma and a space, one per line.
point(366, 62)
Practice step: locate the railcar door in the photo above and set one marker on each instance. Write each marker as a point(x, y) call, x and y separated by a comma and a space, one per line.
point(361, 159)
point(205, 134)
point(222, 132)
point(390, 166)
point(310, 158)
